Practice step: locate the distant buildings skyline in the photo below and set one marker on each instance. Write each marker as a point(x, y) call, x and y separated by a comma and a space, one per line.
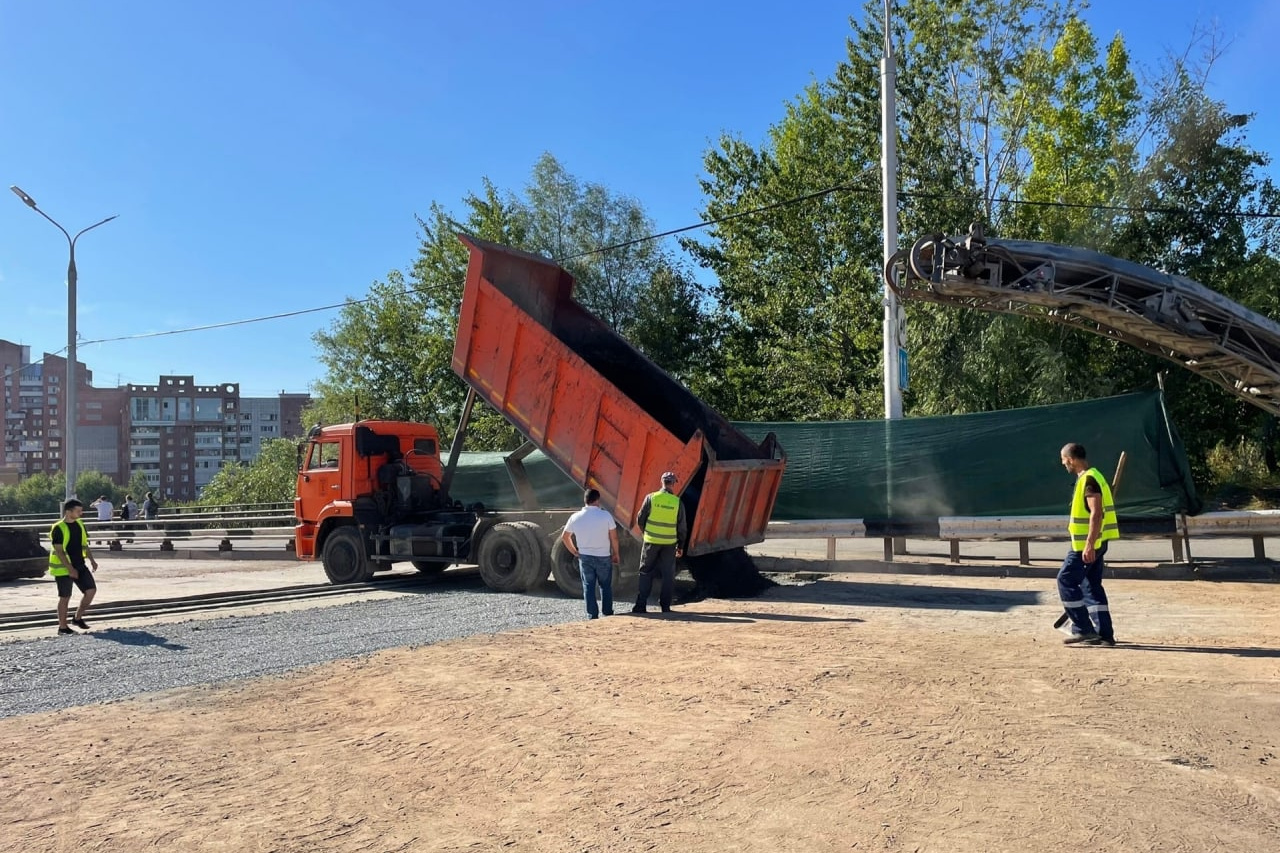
point(175, 432)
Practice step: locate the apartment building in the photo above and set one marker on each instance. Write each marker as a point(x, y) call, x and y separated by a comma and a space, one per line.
point(35, 421)
point(268, 418)
point(175, 432)
point(181, 433)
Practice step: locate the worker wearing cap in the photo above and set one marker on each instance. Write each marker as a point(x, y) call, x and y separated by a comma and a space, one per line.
point(1093, 525)
point(665, 531)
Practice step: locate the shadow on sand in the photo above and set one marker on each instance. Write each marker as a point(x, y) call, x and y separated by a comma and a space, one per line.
point(879, 594)
point(1237, 651)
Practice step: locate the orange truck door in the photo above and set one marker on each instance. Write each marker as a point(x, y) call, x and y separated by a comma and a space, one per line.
point(322, 475)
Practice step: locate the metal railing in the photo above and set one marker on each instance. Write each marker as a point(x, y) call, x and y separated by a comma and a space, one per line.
point(1256, 525)
point(166, 512)
point(275, 522)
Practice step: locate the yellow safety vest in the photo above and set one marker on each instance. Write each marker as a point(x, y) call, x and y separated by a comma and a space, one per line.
point(1079, 525)
point(664, 515)
point(56, 566)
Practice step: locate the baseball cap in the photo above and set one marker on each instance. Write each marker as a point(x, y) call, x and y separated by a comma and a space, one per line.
point(669, 477)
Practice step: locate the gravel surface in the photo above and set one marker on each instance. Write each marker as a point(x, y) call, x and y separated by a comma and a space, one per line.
point(52, 673)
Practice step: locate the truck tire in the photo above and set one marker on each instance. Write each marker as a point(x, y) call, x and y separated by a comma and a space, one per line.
point(345, 557)
point(429, 568)
point(539, 540)
point(564, 570)
point(567, 575)
point(511, 557)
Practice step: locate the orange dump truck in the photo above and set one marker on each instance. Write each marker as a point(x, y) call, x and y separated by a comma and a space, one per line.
point(606, 415)
point(376, 493)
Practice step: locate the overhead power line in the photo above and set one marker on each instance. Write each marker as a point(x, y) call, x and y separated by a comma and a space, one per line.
point(227, 324)
point(707, 223)
point(974, 200)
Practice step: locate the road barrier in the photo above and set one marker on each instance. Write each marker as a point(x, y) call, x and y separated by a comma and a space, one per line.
point(275, 522)
point(1256, 525)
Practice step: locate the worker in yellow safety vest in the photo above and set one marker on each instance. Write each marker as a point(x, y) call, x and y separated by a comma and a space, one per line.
point(665, 532)
point(69, 557)
point(1091, 526)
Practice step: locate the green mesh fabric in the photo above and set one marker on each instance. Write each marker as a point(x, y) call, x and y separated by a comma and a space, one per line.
point(992, 463)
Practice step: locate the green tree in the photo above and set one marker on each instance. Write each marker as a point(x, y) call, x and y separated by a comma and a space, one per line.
point(40, 493)
point(270, 478)
point(138, 487)
point(673, 326)
point(1075, 113)
point(800, 284)
point(91, 485)
point(1195, 193)
point(389, 355)
point(795, 290)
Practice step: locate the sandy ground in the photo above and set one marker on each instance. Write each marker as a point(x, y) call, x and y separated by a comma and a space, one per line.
point(855, 713)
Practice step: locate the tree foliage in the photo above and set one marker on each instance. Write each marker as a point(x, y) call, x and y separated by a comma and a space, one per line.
point(388, 355)
point(1010, 114)
point(269, 478)
point(43, 493)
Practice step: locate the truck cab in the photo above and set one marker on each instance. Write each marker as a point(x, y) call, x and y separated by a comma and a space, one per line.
point(370, 494)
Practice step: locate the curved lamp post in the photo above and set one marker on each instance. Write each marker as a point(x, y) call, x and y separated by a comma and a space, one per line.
point(70, 416)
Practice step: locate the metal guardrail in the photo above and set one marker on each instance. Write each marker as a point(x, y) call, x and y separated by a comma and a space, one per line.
point(210, 521)
point(166, 512)
point(275, 523)
point(1256, 525)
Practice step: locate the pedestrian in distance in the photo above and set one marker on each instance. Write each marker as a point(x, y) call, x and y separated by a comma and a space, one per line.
point(105, 508)
point(150, 508)
point(591, 535)
point(128, 511)
point(1092, 525)
point(69, 560)
point(665, 529)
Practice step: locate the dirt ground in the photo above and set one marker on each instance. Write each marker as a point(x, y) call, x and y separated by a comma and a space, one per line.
point(854, 713)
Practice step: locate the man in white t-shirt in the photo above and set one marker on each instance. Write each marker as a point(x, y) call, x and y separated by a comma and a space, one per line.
point(105, 508)
point(592, 537)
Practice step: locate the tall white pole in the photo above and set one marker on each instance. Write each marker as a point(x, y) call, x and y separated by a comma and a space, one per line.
point(889, 164)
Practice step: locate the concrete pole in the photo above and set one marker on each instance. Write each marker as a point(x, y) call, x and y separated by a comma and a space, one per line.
point(69, 416)
point(889, 163)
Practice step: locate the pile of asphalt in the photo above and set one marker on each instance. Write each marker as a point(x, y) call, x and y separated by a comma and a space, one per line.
point(726, 574)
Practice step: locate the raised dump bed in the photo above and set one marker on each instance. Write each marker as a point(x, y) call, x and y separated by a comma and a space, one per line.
point(606, 415)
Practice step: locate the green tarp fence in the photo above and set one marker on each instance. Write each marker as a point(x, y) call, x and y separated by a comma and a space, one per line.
point(986, 464)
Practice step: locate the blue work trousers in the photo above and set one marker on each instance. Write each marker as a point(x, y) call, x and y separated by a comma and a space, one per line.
point(1084, 599)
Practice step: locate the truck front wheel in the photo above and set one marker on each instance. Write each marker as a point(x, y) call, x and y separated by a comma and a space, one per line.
point(512, 558)
point(345, 558)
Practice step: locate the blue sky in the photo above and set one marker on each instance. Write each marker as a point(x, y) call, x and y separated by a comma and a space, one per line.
point(269, 156)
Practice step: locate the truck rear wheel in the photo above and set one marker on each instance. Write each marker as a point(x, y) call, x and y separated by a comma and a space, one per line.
point(512, 557)
point(567, 575)
point(345, 557)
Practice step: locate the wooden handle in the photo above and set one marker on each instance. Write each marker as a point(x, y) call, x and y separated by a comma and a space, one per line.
point(1115, 481)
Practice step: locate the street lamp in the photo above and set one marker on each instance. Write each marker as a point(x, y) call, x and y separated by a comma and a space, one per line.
point(69, 416)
